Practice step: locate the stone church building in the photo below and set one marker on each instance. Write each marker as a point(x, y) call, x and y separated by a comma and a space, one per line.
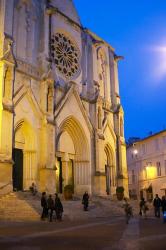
point(61, 121)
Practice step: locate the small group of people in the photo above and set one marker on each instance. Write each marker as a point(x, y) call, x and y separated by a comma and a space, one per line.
point(50, 205)
point(158, 204)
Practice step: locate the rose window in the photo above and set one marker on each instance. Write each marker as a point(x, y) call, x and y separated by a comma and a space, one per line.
point(66, 55)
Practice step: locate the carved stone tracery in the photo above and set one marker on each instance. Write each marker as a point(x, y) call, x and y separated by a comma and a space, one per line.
point(66, 55)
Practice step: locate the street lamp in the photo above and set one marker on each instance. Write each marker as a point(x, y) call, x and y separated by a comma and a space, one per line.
point(135, 151)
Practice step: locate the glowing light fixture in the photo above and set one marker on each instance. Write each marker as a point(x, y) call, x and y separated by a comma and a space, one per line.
point(135, 151)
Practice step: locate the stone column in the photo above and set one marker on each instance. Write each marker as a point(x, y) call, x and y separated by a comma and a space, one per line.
point(113, 181)
point(7, 71)
point(65, 172)
point(47, 136)
point(6, 121)
point(122, 174)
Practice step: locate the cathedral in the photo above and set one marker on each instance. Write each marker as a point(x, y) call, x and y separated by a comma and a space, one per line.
point(61, 120)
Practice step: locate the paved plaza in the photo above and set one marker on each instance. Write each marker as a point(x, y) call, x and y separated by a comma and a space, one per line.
point(99, 233)
point(103, 227)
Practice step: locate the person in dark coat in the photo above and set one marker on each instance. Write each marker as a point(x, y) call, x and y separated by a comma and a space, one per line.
point(85, 201)
point(157, 205)
point(163, 204)
point(58, 208)
point(50, 204)
point(44, 206)
point(141, 205)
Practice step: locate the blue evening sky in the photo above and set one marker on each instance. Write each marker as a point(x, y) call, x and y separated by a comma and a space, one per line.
point(137, 30)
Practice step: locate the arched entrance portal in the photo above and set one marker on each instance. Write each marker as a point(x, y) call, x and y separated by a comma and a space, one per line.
point(73, 157)
point(65, 166)
point(109, 169)
point(24, 156)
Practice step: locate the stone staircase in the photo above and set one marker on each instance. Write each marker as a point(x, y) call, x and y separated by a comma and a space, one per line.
point(17, 206)
point(23, 206)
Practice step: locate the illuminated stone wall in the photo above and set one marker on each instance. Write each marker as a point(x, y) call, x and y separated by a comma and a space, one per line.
point(147, 165)
point(59, 100)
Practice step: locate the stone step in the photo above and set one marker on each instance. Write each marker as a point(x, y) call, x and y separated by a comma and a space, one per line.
point(19, 206)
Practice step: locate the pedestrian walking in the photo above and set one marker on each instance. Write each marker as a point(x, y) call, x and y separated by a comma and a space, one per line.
point(163, 205)
point(44, 206)
point(143, 207)
point(128, 210)
point(157, 205)
point(58, 208)
point(33, 189)
point(85, 201)
point(50, 204)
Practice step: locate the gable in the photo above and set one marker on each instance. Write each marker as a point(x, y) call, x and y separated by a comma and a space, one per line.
point(72, 105)
point(67, 7)
point(109, 132)
point(25, 103)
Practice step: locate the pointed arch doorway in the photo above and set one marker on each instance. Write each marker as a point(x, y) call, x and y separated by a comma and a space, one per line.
point(24, 156)
point(60, 172)
point(73, 159)
point(109, 169)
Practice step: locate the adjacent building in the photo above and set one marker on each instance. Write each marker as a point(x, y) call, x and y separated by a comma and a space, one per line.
point(146, 159)
point(61, 120)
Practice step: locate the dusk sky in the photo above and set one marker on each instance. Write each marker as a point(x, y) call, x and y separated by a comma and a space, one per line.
point(137, 30)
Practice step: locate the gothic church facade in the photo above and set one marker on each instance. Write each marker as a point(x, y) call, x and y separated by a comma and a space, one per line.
point(61, 120)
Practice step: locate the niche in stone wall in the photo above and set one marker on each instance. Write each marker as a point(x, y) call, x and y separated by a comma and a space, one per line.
point(101, 69)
